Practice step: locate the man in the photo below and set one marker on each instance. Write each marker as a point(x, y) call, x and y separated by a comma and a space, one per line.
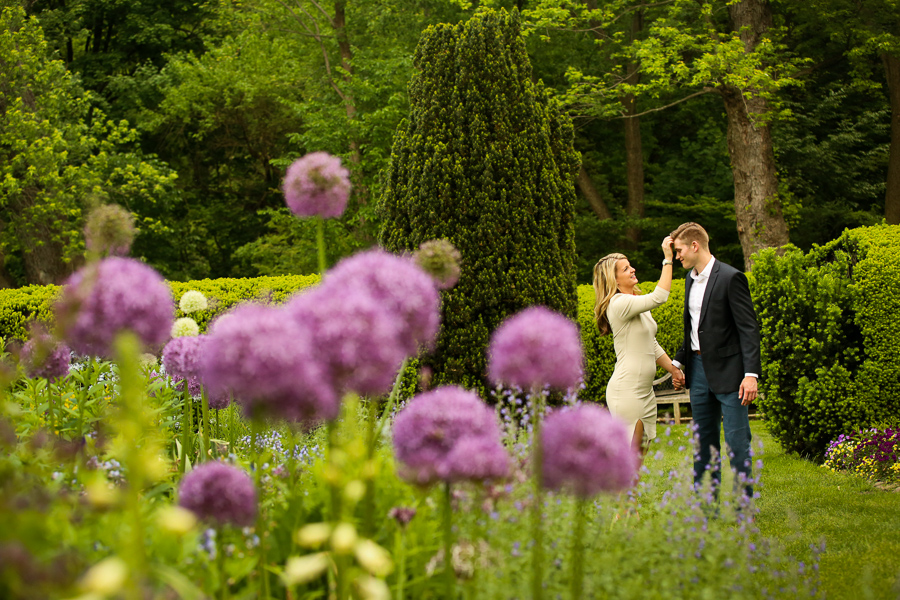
point(720, 353)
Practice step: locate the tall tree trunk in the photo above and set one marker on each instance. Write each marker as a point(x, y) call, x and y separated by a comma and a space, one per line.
point(587, 187)
point(634, 156)
point(892, 195)
point(760, 222)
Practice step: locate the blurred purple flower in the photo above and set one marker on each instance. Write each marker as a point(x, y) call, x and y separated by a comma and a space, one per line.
point(181, 356)
point(220, 493)
point(402, 515)
point(42, 356)
point(587, 451)
point(533, 348)
point(448, 434)
point(270, 364)
point(355, 336)
point(398, 286)
point(114, 295)
point(317, 186)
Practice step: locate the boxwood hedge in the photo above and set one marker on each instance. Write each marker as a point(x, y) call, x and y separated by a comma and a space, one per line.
point(830, 337)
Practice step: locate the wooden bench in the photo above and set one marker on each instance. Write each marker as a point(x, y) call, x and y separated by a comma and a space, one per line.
point(667, 394)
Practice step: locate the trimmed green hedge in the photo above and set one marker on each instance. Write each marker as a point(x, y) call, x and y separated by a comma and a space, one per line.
point(830, 337)
point(21, 306)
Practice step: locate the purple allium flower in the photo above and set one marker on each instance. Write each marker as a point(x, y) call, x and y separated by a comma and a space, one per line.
point(114, 295)
point(269, 363)
point(317, 186)
point(587, 451)
point(218, 492)
point(42, 356)
point(533, 348)
point(429, 430)
point(399, 286)
point(181, 356)
point(109, 229)
point(354, 334)
point(440, 259)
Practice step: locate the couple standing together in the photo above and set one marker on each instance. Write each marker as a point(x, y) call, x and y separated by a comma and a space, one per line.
point(719, 359)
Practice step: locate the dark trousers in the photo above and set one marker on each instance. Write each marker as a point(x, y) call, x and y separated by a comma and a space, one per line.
point(709, 411)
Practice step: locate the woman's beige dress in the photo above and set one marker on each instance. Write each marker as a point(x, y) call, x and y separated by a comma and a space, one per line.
point(629, 394)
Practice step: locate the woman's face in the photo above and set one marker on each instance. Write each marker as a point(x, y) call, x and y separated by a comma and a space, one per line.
point(625, 277)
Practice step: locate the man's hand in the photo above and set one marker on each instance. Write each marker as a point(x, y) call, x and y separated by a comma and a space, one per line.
point(678, 379)
point(747, 393)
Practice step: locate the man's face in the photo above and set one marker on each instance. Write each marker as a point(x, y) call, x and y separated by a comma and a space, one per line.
point(686, 253)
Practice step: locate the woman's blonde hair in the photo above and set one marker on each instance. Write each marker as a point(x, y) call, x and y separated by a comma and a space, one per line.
point(605, 288)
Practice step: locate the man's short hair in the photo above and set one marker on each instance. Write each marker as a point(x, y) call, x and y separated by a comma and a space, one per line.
point(689, 233)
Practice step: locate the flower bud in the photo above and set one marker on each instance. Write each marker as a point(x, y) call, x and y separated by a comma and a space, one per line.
point(355, 491)
point(185, 327)
point(313, 535)
point(176, 519)
point(371, 588)
point(106, 577)
point(343, 540)
point(192, 301)
point(303, 569)
point(440, 259)
point(373, 558)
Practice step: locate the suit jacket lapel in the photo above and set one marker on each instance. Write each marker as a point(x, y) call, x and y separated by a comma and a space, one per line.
point(708, 291)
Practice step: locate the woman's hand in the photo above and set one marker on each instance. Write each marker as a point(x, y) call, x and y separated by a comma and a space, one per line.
point(668, 251)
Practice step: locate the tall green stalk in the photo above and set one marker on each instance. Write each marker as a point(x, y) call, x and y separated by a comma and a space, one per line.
point(449, 578)
point(256, 440)
point(537, 531)
point(577, 581)
point(204, 445)
point(185, 428)
point(320, 243)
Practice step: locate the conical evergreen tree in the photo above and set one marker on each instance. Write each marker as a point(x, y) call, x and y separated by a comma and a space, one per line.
point(485, 159)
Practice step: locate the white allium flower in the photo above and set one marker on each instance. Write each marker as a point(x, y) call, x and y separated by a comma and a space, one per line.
point(185, 327)
point(192, 301)
point(148, 361)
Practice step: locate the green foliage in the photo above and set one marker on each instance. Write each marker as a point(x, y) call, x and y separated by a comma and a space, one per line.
point(485, 160)
point(599, 352)
point(20, 307)
point(830, 337)
point(58, 156)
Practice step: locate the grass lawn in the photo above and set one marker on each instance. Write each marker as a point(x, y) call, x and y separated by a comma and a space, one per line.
point(803, 504)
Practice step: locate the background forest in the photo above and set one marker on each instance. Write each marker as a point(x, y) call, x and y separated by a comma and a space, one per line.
point(187, 113)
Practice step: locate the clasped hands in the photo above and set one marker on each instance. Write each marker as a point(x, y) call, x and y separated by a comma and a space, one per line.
point(678, 378)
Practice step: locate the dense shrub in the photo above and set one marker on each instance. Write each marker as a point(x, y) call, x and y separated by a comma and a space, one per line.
point(20, 307)
point(485, 159)
point(830, 337)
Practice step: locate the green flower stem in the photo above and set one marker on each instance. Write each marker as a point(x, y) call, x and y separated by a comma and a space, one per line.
point(185, 428)
point(220, 564)
point(449, 579)
point(256, 440)
point(231, 409)
point(400, 554)
point(577, 582)
point(51, 408)
point(392, 400)
point(330, 466)
point(537, 532)
point(204, 446)
point(371, 441)
point(320, 243)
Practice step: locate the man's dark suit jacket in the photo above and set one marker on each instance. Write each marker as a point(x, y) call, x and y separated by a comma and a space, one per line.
point(729, 332)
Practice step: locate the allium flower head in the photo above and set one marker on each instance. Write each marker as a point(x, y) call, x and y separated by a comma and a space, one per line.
point(114, 295)
point(534, 348)
point(219, 493)
point(185, 327)
point(192, 301)
point(181, 356)
point(399, 286)
point(440, 259)
point(317, 186)
point(269, 363)
point(587, 451)
point(357, 339)
point(448, 434)
point(109, 230)
point(42, 356)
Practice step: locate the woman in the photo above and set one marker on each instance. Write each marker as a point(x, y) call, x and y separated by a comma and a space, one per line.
point(618, 308)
